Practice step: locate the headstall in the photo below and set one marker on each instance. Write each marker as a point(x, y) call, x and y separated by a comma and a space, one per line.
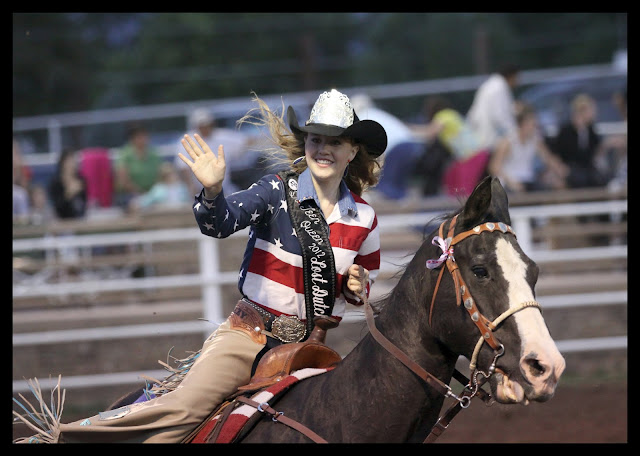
point(463, 294)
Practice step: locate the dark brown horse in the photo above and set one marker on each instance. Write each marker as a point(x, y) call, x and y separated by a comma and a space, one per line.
point(372, 397)
point(479, 302)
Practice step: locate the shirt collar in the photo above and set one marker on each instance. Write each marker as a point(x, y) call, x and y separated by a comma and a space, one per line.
point(306, 190)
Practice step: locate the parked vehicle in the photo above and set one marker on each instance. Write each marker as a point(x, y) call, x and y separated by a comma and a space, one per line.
point(552, 99)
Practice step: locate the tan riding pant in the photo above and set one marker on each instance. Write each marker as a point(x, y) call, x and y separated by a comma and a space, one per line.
point(224, 364)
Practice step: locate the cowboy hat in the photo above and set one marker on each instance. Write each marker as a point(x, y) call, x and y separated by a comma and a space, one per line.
point(333, 115)
point(201, 117)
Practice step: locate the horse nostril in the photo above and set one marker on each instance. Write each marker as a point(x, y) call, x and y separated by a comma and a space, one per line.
point(534, 367)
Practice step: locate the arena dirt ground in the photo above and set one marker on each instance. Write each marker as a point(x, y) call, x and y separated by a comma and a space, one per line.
point(585, 413)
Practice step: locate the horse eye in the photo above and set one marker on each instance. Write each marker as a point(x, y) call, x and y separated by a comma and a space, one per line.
point(480, 272)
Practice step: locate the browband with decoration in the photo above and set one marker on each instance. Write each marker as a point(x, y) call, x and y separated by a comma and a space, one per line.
point(446, 245)
point(462, 291)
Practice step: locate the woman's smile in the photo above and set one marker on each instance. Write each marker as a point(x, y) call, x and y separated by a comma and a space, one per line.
point(323, 161)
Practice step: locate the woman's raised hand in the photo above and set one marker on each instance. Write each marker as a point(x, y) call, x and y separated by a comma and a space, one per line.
point(207, 168)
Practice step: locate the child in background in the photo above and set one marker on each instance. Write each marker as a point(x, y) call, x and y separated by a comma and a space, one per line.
point(170, 190)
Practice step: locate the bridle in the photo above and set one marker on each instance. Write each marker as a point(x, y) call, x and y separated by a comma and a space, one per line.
point(486, 327)
point(483, 324)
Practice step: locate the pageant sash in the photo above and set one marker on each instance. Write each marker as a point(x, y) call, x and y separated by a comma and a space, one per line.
point(319, 268)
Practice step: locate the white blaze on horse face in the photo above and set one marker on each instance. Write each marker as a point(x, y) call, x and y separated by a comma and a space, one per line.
point(535, 337)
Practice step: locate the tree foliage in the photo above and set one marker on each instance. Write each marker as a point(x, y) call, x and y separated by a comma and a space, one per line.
point(82, 61)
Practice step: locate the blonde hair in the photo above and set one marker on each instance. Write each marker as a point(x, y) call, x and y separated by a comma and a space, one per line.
point(580, 101)
point(363, 172)
point(524, 111)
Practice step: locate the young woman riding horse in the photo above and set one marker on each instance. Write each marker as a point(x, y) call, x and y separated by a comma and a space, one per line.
point(468, 291)
point(313, 246)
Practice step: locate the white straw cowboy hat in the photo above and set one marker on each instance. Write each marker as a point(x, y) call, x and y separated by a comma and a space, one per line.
point(333, 115)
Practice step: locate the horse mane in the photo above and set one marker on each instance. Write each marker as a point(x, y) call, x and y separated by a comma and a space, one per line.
point(429, 230)
point(431, 227)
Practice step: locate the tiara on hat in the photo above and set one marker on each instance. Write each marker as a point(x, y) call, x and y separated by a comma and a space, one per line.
point(332, 108)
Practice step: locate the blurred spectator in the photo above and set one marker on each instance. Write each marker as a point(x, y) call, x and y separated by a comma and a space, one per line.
point(579, 146)
point(455, 133)
point(21, 204)
point(68, 188)
point(235, 145)
point(97, 169)
point(618, 144)
point(491, 115)
point(403, 148)
point(514, 159)
point(437, 155)
point(398, 132)
point(136, 166)
point(620, 102)
point(21, 172)
point(40, 210)
point(168, 191)
point(453, 161)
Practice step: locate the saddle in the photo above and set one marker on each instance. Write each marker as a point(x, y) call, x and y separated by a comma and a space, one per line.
point(276, 365)
point(280, 361)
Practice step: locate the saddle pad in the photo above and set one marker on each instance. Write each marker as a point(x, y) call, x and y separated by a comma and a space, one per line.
point(243, 413)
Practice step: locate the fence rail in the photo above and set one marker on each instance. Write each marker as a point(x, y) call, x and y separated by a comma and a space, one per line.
point(211, 278)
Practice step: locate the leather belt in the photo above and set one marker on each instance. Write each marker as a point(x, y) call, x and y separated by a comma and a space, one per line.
point(286, 328)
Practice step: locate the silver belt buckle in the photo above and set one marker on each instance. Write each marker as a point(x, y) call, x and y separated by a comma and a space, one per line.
point(288, 329)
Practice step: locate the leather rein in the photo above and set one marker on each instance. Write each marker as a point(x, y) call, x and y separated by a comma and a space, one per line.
point(486, 327)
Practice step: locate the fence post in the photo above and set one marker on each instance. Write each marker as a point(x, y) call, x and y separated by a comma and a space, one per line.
point(522, 227)
point(209, 258)
point(55, 137)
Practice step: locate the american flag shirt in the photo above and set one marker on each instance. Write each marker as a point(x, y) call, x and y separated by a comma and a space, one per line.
point(271, 274)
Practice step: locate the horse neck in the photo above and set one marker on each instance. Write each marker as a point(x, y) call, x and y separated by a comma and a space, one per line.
point(403, 320)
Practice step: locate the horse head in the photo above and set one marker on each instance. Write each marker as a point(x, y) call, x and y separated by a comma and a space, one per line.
point(493, 318)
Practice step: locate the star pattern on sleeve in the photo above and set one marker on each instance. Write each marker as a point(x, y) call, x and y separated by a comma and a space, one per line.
point(278, 243)
point(208, 226)
point(196, 207)
point(270, 208)
point(209, 205)
point(255, 215)
point(226, 216)
point(283, 205)
point(235, 225)
point(294, 233)
point(241, 273)
point(275, 184)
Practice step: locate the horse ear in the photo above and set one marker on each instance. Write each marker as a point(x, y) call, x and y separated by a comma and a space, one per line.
point(487, 203)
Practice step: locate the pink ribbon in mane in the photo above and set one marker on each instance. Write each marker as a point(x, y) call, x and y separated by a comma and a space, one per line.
point(446, 252)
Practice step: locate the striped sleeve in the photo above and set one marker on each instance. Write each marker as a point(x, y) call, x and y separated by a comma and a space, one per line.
point(368, 252)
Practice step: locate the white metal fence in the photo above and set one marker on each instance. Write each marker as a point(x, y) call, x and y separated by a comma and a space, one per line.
point(211, 279)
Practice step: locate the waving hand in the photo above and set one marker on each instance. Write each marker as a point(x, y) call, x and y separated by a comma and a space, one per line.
point(207, 168)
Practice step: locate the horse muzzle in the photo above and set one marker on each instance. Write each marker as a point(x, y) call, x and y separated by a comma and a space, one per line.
point(537, 381)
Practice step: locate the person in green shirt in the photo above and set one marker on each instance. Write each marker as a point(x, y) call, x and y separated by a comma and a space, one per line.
point(137, 166)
